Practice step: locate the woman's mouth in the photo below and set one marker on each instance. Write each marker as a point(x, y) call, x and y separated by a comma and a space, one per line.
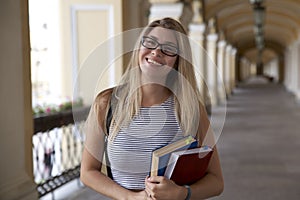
point(153, 62)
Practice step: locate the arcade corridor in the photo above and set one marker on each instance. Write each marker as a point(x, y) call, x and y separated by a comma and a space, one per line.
point(242, 39)
point(258, 147)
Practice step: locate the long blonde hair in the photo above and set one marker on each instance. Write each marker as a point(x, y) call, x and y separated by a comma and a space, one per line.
point(128, 94)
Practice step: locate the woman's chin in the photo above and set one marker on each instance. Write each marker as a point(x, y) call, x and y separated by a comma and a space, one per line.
point(155, 73)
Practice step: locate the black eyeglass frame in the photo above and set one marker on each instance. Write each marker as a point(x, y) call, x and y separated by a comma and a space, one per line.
point(159, 45)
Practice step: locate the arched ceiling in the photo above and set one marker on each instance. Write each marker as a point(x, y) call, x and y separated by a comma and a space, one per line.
point(235, 18)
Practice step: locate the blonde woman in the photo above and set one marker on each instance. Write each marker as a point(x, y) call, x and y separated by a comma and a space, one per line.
point(156, 103)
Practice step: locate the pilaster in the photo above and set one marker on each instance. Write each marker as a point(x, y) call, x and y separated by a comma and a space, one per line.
point(212, 79)
point(20, 186)
point(196, 33)
point(233, 68)
point(16, 122)
point(298, 71)
point(221, 71)
point(245, 69)
point(227, 69)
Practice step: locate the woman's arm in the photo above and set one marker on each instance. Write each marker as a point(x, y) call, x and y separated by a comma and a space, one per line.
point(91, 176)
point(212, 183)
point(91, 163)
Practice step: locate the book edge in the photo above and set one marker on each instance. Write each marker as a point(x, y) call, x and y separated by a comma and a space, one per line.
point(173, 146)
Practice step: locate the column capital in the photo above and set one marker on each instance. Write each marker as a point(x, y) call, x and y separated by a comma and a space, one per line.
point(228, 48)
point(199, 28)
point(198, 12)
point(212, 37)
point(221, 44)
point(197, 31)
point(233, 51)
point(212, 26)
point(161, 10)
point(221, 35)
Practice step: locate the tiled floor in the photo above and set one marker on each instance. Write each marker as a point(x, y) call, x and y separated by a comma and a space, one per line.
point(259, 146)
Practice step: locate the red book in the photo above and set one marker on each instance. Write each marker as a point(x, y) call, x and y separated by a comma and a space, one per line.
point(188, 166)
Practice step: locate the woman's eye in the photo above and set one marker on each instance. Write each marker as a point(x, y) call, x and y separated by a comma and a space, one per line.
point(170, 49)
point(151, 43)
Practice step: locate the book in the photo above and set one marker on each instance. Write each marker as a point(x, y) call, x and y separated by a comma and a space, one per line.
point(188, 166)
point(160, 157)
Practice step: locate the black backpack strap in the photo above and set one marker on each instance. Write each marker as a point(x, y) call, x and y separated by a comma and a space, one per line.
point(108, 122)
point(108, 118)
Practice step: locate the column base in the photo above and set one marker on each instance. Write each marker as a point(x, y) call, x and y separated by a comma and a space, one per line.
point(21, 188)
point(298, 97)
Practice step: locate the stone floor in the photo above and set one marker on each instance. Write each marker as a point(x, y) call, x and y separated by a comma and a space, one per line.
point(259, 145)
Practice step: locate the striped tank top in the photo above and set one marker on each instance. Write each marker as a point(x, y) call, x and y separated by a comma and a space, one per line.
point(130, 152)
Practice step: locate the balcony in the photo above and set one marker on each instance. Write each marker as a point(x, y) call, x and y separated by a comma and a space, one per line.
point(57, 146)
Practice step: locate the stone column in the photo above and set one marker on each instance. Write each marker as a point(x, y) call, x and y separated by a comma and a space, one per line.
point(245, 69)
point(212, 80)
point(288, 68)
point(221, 71)
point(298, 71)
point(196, 33)
point(15, 104)
point(281, 68)
point(294, 67)
point(227, 69)
point(233, 69)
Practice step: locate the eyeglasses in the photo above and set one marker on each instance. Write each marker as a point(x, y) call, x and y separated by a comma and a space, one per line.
point(166, 49)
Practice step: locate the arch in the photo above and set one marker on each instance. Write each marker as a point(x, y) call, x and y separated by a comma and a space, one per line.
point(214, 6)
point(272, 44)
point(235, 18)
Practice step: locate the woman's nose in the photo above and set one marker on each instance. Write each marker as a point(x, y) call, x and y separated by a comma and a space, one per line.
point(156, 51)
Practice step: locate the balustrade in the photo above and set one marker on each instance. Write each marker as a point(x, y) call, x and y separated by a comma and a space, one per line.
point(57, 146)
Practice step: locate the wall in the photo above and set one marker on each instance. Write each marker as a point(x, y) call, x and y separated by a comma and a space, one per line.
point(292, 69)
point(85, 27)
point(272, 69)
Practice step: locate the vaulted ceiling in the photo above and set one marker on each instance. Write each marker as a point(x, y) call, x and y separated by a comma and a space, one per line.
point(235, 18)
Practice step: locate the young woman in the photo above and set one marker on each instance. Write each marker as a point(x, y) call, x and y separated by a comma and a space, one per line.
point(156, 103)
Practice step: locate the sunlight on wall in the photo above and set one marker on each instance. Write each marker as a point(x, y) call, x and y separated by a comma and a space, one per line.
point(63, 34)
point(45, 52)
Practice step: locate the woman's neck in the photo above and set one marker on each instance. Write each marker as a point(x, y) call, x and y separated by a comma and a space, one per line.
point(153, 94)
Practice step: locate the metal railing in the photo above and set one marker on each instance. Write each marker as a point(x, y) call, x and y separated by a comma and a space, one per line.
point(57, 146)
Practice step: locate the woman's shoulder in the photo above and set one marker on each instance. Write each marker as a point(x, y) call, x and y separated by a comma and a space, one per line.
point(103, 97)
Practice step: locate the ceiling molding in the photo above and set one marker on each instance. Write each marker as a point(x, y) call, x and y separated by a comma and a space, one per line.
point(269, 44)
point(236, 19)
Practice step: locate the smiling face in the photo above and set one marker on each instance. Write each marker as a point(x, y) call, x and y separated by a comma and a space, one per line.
point(153, 62)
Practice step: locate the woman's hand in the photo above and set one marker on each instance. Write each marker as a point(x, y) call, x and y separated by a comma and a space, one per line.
point(141, 195)
point(161, 188)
